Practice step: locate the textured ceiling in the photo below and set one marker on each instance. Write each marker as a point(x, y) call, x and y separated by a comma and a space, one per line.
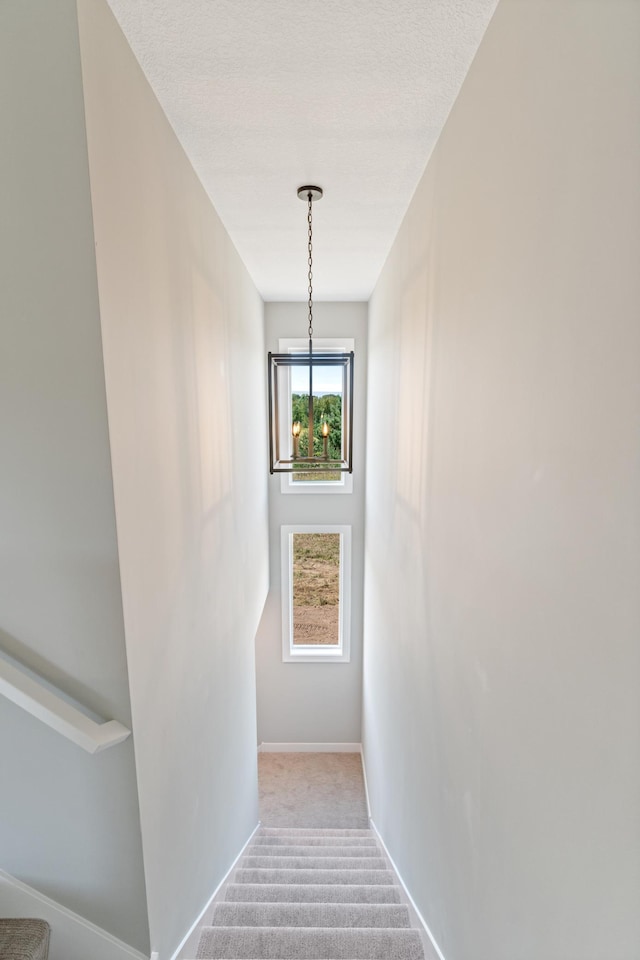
point(266, 95)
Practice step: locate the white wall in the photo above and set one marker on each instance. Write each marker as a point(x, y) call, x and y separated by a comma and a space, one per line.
point(69, 823)
point(183, 339)
point(501, 673)
point(314, 702)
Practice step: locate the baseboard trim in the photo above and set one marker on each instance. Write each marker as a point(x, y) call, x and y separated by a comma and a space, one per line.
point(309, 748)
point(72, 936)
point(366, 786)
point(197, 922)
point(419, 916)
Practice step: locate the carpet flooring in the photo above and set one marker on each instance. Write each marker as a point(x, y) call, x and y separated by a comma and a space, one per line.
point(312, 894)
point(312, 790)
point(24, 939)
point(313, 884)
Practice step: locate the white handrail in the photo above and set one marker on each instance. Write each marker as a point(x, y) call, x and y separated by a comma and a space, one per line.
point(57, 713)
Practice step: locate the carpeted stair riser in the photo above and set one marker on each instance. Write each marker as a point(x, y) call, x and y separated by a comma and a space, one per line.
point(243, 875)
point(257, 850)
point(311, 893)
point(310, 943)
point(310, 915)
point(312, 832)
point(286, 841)
point(313, 863)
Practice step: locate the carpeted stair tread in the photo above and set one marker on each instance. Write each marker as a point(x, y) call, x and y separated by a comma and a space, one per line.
point(314, 863)
point(306, 841)
point(309, 943)
point(311, 875)
point(310, 915)
point(312, 893)
point(314, 832)
point(300, 850)
point(24, 939)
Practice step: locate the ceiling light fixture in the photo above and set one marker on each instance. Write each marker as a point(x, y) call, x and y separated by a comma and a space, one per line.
point(310, 397)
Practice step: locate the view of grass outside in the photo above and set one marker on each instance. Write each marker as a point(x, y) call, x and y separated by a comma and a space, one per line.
point(316, 588)
point(326, 409)
point(315, 476)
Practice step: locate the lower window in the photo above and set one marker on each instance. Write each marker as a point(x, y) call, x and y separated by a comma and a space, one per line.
point(316, 579)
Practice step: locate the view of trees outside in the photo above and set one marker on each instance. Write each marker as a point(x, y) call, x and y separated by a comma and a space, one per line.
point(327, 408)
point(316, 588)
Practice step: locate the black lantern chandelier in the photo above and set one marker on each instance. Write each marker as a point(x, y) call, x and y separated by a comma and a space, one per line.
point(310, 397)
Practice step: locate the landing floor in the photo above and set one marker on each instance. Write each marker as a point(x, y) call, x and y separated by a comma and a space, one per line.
point(312, 790)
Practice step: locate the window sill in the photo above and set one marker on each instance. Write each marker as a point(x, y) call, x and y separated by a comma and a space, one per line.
point(314, 655)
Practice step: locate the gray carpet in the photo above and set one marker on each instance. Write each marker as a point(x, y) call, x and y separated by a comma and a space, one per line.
point(312, 915)
point(24, 939)
point(312, 790)
point(314, 883)
point(263, 943)
point(312, 894)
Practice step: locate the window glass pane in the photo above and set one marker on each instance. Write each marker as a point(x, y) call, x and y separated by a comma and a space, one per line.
point(316, 588)
point(327, 419)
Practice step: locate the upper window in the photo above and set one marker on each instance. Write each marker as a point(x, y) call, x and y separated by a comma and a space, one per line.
point(327, 409)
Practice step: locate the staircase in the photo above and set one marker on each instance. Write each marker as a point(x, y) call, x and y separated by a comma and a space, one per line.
point(301, 894)
point(24, 939)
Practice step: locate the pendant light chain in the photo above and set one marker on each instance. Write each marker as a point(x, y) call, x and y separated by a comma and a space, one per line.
point(307, 443)
point(310, 262)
